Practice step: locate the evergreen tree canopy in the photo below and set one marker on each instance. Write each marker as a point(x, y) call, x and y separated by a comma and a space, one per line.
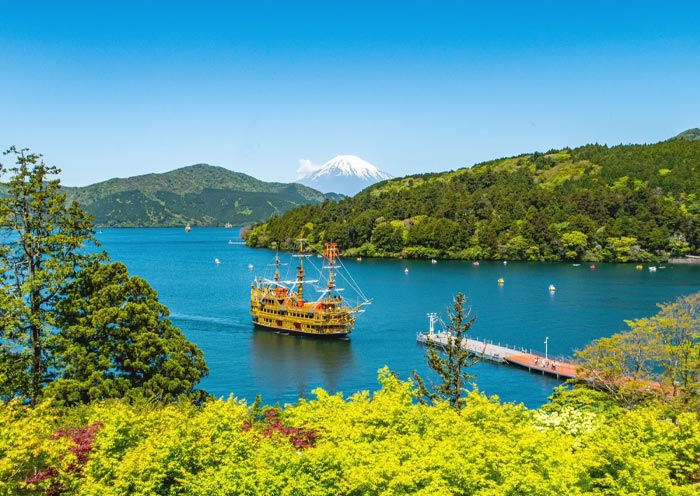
point(115, 340)
point(69, 324)
point(452, 368)
point(43, 247)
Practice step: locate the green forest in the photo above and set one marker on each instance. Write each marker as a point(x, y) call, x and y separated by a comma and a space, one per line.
point(201, 195)
point(99, 396)
point(595, 203)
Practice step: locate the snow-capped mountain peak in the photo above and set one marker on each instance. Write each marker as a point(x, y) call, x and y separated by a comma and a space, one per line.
point(350, 165)
point(346, 174)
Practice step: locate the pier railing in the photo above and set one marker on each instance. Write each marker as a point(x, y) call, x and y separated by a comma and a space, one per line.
point(522, 357)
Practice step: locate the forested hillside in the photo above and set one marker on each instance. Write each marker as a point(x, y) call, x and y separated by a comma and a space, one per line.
point(592, 203)
point(202, 195)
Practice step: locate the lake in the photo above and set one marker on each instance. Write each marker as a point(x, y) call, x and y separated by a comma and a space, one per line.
point(210, 303)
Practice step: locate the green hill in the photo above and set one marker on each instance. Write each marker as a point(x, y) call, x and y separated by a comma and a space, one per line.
point(690, 135)
point(592, 203)
point(201, 194)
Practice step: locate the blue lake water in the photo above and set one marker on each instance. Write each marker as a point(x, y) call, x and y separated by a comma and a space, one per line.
point(210, 303)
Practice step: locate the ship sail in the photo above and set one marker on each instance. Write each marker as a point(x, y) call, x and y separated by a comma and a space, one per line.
point(290, 306)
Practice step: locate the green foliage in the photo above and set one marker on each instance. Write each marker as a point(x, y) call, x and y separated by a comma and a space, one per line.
point(657, 358)
point(575, 243)
point(388, 237)
point(201, 194)
point(43, 250)
point(116, 341)
point(368, 443)
point(452, 368)
point(634, 203)
point(690, 135)
point(72, 327)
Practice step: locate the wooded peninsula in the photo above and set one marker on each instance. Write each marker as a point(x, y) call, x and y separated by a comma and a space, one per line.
point(594, 203)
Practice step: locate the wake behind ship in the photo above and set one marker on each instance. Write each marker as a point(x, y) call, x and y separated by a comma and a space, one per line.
point(287, 306)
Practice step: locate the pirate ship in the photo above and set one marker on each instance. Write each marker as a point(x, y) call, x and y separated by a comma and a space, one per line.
point(304, 306)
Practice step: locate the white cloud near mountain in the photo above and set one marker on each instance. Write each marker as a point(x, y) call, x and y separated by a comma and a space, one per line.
point(346, 174)
point(306, 168)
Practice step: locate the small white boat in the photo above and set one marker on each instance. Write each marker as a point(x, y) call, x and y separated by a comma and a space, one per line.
point(434, 261)
point(552, 288)
point(505, 262)
point(652, 269)
point(217, 261)
point(250, 266)
point(501, 281)
point(405, 271)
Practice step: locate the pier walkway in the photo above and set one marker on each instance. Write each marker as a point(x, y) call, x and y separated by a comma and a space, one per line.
point(533, 362)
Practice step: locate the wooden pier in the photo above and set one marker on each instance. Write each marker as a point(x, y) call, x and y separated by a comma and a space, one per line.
point(533, 362)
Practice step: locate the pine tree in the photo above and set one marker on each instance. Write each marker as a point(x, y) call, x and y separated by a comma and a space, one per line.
point(43, 246)
point(116, 340)
point(72, 325)
point(450, 361)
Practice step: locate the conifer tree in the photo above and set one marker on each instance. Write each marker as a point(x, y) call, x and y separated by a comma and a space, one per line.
point(70, 324)
point(116, 340)
point(451, 361)
point(43, 247)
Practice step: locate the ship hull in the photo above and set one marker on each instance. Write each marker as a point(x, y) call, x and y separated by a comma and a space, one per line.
point(282, 330)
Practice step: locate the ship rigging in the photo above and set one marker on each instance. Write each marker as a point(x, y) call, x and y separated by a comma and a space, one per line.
point(288, 307)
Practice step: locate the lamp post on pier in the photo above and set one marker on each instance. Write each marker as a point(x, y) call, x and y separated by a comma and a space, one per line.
point(545, 347)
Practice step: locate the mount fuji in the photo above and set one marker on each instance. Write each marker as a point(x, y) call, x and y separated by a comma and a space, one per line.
point(346, 174)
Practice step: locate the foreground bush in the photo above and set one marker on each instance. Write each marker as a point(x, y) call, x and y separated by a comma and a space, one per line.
point(380, 443)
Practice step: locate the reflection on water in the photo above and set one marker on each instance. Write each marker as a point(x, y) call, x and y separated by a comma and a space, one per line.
point(281, 361)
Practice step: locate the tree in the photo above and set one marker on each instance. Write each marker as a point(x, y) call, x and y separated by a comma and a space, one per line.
point(622, 365)
point(678, 326)
point(44, 246)
point(388, 237)
point(116, 340)
point(69, 324)
point(659, 354)
point(452, 367)
point(575, 244)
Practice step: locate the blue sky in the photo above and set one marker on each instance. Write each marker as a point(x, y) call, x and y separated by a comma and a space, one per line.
point(117, 89)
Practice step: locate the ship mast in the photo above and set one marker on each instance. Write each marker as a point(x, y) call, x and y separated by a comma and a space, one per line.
point(300, 273)
point(277, 265)
point(331, 254)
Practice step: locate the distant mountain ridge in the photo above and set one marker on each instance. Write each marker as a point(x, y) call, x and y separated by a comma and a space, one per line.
point(346, 174)
point(201, 194)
